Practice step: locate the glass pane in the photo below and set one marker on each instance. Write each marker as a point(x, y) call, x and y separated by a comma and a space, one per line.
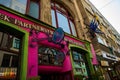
point(16, 43)
point(22, 1)
point(5, 2)
point(45, 59)
point(6, 60)
point(18, 5)
point(14, 61)
point(63, 22)
point(75, 56)
point(100, 40)
point(53, 18)
point(73, 28)
point(34, 10)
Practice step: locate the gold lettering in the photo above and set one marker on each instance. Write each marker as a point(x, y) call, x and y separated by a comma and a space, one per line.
point(46, 31)
point(20, 23)
point(51, 32)
point(25, 25)
point(6, 18)
point(42, 29)
point(37, 27)
point(1, 16)
point(34, 26)
point(15, 21)
point(30, 26)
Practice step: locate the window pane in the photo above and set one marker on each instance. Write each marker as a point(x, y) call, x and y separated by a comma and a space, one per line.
point(63, 22)
point(6, 60)
point(75, 56)
point(16, 43)
point(34, 10)
point(14, 61)
point(50, 56)
point(73, 28)
point(100, 40)
point(15, 4)
point(21, 5)
point(53, 18)
point(5, 2)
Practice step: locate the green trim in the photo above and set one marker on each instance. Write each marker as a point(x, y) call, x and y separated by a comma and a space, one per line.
point(24, 51)
point(73, 65)
point(89, 49)
point(89, 60)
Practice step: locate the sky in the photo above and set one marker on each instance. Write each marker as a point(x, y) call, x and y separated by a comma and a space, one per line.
point(110, 9)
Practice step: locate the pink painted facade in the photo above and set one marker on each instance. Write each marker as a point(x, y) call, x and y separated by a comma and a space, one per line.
point(33, 67)
point(94, 59)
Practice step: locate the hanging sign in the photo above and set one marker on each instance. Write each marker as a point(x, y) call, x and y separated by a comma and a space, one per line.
point(58, 35)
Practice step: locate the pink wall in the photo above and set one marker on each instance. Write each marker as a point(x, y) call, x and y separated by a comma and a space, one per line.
point(33, 52)
point(33, 66)
point(94, 59)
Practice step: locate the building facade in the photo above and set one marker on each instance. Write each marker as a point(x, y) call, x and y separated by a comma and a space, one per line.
point(105, 40)
point(44, 39)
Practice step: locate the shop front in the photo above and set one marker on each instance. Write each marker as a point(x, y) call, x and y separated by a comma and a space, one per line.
point(13, 51)
point(52, 54)
point(107, 67)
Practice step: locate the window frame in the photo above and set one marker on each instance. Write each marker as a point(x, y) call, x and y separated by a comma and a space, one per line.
point(16, 45)
point(54, 56)
point(28, 7)
point(66, 14)
point(82, 69)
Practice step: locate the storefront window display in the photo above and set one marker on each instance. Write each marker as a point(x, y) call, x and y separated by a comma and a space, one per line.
point(50, 56)
point(79, 60)
point(9, 56)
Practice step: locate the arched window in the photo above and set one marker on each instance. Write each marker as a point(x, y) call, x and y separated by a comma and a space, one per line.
point(50, 56)
point(61, 18)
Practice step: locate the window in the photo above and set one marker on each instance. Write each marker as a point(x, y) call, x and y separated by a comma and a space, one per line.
point(101, 40)
point(34, 9)
point(16, 43)
point(61, 18)
point(76, 56)
point(79, 61)
point(18, 5)
point(49, 56)
point(6, 60)
point(9, 64)
point(9, 42)
point(17, 8)
point(9, 60)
